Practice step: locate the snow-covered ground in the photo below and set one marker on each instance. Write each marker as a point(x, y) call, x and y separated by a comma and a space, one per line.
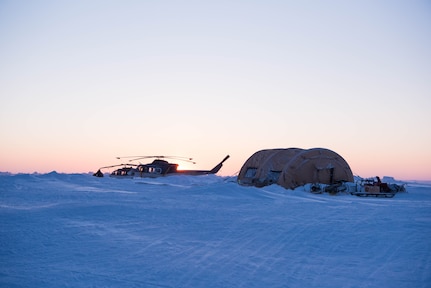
point(75, 230)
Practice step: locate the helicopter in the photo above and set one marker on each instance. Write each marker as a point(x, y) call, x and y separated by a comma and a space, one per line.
point(158, 168)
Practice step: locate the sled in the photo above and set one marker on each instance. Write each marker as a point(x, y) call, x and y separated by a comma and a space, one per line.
point(377, 188)
point(374, 194)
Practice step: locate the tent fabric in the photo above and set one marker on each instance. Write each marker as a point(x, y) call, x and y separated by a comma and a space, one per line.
point(293, 167)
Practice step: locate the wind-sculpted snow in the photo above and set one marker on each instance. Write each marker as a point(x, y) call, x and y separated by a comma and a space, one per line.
point(73, 230)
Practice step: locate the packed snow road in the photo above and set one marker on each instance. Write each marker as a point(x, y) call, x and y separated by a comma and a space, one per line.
point(73, 230)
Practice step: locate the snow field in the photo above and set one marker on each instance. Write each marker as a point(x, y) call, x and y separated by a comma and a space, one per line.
point(73, 230)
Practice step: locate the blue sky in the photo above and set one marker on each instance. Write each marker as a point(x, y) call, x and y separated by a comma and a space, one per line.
point(84, 81)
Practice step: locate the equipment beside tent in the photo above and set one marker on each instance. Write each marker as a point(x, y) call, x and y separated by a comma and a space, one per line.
point(293, 167)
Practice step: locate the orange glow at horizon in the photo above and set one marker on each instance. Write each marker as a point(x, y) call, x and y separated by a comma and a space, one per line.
point(406, 170)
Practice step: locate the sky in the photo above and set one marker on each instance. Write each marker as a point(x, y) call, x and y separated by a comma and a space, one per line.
point(82, 82)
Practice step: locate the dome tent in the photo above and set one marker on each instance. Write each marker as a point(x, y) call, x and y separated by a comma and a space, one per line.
point(293, 167)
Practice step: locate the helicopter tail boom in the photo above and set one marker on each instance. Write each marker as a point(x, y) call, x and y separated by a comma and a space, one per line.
point(219, 165)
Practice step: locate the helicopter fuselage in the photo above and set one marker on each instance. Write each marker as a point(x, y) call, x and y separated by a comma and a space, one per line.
point(157, 168)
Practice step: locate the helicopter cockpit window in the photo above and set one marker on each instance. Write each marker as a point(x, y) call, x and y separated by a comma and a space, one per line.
point(152, 170)
point(251, 172)
point(155, 170)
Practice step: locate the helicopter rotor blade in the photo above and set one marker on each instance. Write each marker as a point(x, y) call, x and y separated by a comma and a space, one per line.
point(112, 166)
point(181, 158)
